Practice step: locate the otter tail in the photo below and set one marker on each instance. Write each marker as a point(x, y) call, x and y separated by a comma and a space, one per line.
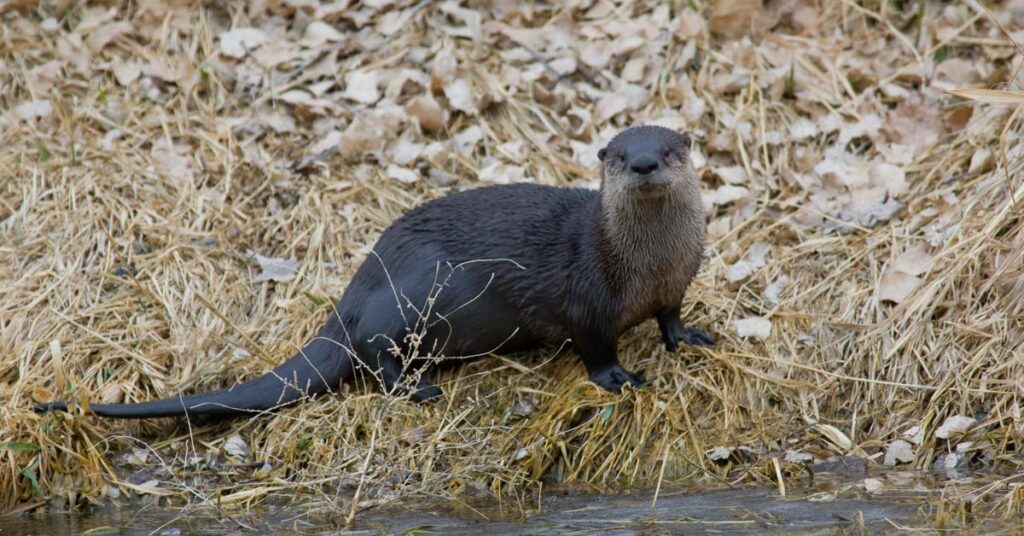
point(319, 367)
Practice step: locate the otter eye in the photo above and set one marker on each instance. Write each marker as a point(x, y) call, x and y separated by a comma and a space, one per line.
point(622, 158)
point(669, 153)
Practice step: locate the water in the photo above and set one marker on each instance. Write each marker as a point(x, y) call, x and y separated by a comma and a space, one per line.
point(825, 506)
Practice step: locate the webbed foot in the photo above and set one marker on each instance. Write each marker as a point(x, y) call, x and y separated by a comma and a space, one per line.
point(678, 333)
point(614, 377)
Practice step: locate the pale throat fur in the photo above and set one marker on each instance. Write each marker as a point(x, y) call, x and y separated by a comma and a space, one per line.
point(654, 243)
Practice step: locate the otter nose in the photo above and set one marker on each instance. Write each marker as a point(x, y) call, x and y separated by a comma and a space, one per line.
point(643, 164)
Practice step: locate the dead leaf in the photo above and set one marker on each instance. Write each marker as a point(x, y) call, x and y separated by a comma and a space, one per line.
point(773, 292)
point(982, 160)
point(126, 72)
point(401, 174)
point(755, 327)
point(958, 71)
point(793, 456)
point(238, 42)
point(727, 193)
point(471, 21)
point(362, 137)
point(720, 454)
point(319, 33)
point(107, 33)
point(405, 152)
point(466, 141)
point(954, 426)
point(427, 111)
point(33, 109)
point(899, 451)
point(596, 54)
point(460, 96)
point(634, 69)
point(279, 121)
point(169, 163)
point(802, 129)
point(498, 172)
point(361, 86)
point(873, 485)
point(733, 18)
point(896, 286)
point(731, 174)
point(307, 103)
point(237, 447)
point(890, 177)
point(691, 25)
point(916, 260)
point(916, 124)
point(275, 269)
point(42, 77)
point(753, 260)
point(327, 144)
point(609, 106)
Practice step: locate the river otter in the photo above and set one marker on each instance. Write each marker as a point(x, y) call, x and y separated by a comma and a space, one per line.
point(501, 269)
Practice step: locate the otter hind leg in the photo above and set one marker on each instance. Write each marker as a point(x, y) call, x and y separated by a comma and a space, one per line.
point(381, 345)
point(395, 383)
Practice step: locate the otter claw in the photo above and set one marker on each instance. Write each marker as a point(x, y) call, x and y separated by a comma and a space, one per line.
point(613, 378)
point(426, 394)
point(696, 337)
point(688, 335)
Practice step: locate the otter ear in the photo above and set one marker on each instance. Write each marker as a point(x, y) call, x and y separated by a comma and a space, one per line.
point(602, 153)
point(686, 141)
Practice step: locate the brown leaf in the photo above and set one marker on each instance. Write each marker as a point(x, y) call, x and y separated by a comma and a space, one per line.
point(360, 138)
point(691, 25)
point(596, 54)
point(43, 77)
point(427, 111)
point(105, 34)
point(125, 72)
point(169, 163)
point(891, 177)
point(914, 261)
point(916, 124)
point(609, 106)
point(733, 18)
point(305, 102)
point(896, 286)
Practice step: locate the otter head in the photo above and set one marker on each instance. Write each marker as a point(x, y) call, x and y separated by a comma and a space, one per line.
point(646, 162)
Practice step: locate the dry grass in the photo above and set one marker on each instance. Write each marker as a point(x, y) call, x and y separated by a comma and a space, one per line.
point(126, 278)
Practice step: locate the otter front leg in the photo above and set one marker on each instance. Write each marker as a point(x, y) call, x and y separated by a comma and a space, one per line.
point(600, 354)
point(673, 332)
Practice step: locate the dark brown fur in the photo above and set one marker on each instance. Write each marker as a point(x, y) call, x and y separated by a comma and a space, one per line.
point(502, 268)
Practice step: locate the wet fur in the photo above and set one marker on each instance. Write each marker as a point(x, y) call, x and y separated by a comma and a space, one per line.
point(500, 269)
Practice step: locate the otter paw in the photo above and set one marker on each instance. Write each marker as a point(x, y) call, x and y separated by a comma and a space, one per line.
point(696, 337)
point(614, 377)
point(687, 335)
point(425, 392)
